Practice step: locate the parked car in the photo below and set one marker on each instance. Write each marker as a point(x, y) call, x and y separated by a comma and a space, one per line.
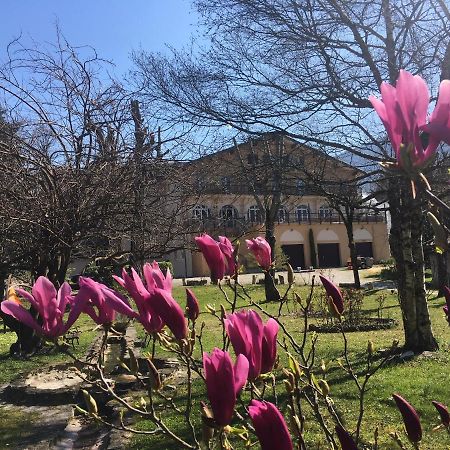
point(364, 262)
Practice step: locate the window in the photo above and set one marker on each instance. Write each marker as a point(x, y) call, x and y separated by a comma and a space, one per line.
point(302, 213)
point(225, 182)
point(201, 212)
point(325, 212)
point(300, 185)
point(228, 214)
point(283, 215)
point(254, 214)
point(201, 184)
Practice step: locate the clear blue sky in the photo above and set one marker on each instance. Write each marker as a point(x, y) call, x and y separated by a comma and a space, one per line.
point(113, 27)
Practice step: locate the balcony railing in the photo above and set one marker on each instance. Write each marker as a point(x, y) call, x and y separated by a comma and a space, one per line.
point(238, 225)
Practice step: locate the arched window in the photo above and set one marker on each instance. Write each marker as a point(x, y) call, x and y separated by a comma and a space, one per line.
point(325, 212)
point(254, 214)
point(283, 215)
point(201, 212)
point(228, 214)
point(303, 213)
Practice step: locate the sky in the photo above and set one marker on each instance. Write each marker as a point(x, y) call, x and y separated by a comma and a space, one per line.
point(113, 27)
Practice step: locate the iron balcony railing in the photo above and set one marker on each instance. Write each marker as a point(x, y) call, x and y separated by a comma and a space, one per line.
point(241, 224)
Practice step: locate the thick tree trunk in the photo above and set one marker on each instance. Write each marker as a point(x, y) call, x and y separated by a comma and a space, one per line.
point(406, 246)
point(271, 290)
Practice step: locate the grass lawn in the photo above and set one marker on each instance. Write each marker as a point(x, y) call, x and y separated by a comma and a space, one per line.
point(420, 380)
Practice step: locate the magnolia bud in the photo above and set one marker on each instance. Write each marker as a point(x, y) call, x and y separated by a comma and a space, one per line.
point(154, 377)
point(298, 299)
point(90, 403)
point(288, 386)
point(134, 366)
point(223, 312)
point(323, 385)
point(290, 275)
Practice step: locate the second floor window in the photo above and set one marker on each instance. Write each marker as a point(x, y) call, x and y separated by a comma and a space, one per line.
point(228, 212)
point(283, 215)
point(201, 212)
point(254, 214)
point(325, 212)
point(300, 186)
point(302, 213)
point(225, 183)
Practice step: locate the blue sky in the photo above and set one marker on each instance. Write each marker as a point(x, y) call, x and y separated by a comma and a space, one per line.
point(114, 28)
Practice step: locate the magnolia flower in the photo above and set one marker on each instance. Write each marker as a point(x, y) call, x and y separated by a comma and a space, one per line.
point(223, 383)
point(261, 250)
point(403, 111)
point(227, 249)
point(100, 302)
point(410, 419)
point(154, 300)
point(192, 307)
point(213, 255)
point(345, 439)
point(220, 256)
point(49, 304)
point(334, 294)
point(443, 413)
point(270, 426)
point(251, 338)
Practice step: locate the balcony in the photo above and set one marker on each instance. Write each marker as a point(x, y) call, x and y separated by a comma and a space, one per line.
point(240, 225)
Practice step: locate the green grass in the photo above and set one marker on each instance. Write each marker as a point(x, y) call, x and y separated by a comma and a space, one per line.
point(419, 380)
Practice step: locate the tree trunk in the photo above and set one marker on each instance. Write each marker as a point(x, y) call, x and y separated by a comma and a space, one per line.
point(271, 290)
point(406, 246)
point(353, 254)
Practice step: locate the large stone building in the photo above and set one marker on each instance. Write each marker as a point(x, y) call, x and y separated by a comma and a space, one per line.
point(235, 188)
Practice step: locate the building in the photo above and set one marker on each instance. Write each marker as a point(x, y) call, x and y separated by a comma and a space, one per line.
point(234, 189)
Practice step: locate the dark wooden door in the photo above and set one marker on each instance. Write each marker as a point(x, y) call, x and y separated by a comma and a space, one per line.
point(296, 255)
point(364, 249)
point(328, 255)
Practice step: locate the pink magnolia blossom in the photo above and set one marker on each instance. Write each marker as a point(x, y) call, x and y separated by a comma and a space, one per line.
point(101, 302)
point(227, 249)
point(251, 338)
point(269, 345)
point(410, 419)
point(270, 426)
point(49, 304)
point(443, 413)
point(345, 439)
point(223, 383)
point(154, 300)
point(403, 111)
point(261, 250)
point(192, 307)
point(213, 255)
point(334, 294)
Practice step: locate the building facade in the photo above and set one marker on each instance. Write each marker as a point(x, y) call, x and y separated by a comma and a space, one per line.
point(236, 188)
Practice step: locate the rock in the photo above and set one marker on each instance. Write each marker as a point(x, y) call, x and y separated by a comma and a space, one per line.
point(407, 355)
